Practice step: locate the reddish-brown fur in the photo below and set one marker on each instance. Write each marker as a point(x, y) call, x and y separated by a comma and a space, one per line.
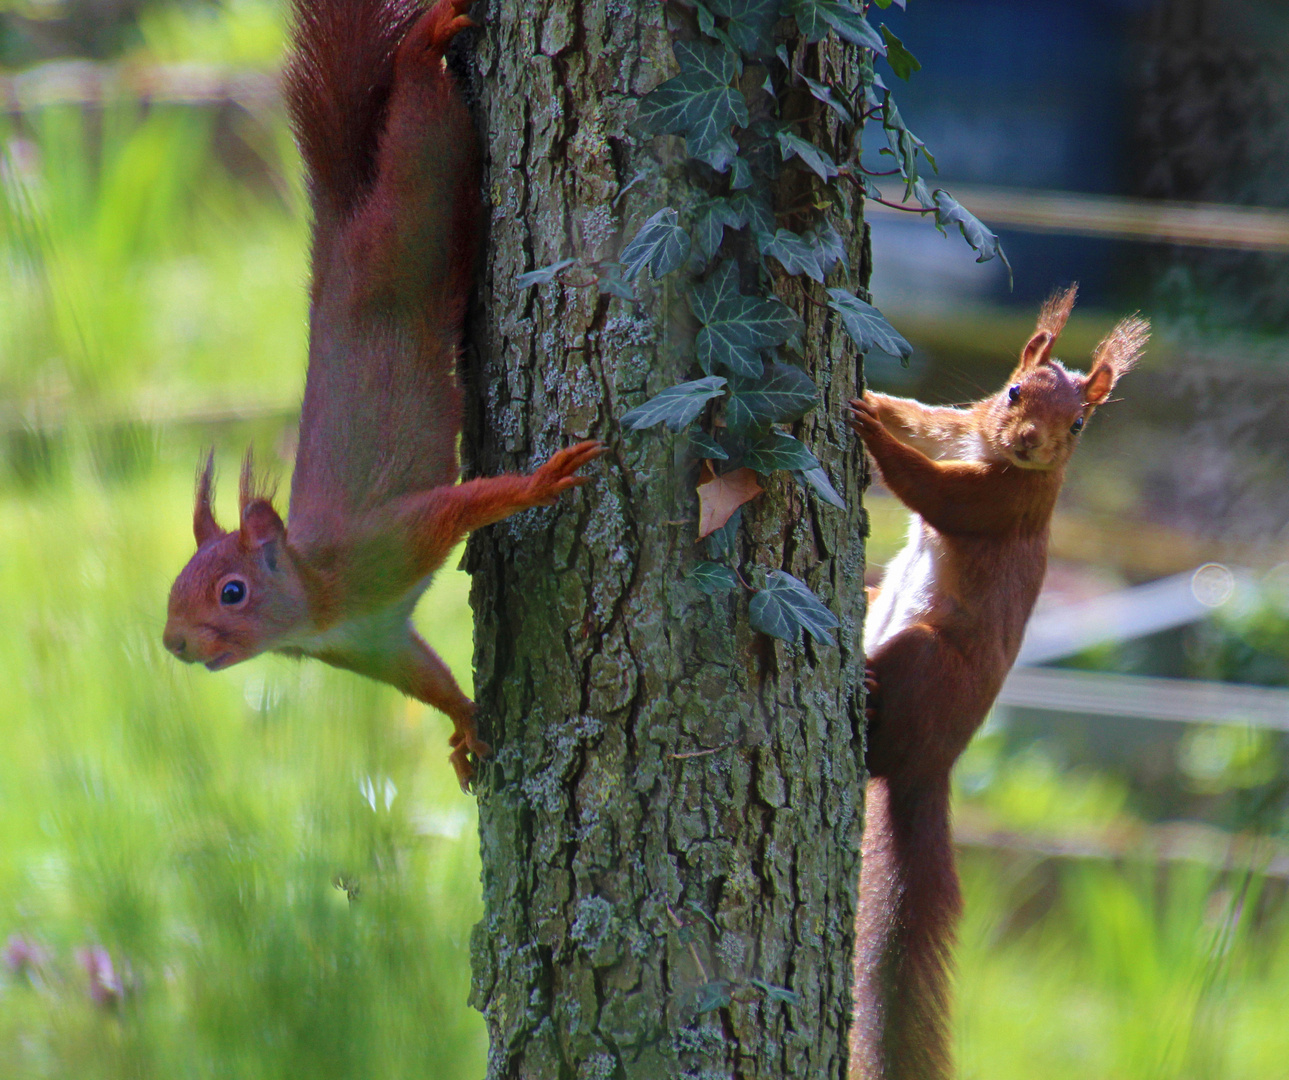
point(944, 630)
point(393, 169)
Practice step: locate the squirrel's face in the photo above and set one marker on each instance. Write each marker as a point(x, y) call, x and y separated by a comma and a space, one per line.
point(239, 594)
point(1035, 421)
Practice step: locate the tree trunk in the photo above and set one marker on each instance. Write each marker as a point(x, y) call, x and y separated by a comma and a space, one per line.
point(670, 822)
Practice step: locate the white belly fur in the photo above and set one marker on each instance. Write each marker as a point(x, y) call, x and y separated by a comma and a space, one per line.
point(908, 589)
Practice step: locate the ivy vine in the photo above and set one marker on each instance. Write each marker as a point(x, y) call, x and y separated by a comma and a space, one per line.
point(737, 104)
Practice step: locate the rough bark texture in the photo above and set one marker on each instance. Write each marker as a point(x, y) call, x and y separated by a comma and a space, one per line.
point(670, 823)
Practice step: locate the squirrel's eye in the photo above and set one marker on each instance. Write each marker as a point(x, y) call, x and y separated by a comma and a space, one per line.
point(1013, 395)
point(233, 592)
point(1077, 426)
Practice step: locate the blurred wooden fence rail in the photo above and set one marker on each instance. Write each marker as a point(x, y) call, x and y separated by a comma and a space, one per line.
point(87, 84)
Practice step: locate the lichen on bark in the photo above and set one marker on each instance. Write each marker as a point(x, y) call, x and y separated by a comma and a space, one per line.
point(670, 822)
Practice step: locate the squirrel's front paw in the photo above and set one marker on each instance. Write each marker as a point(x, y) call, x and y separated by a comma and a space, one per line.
point(466, 741)
point(556, 475)
point(871, 690)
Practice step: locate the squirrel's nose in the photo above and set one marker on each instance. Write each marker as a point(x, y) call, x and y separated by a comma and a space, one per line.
point(1029, 438)
point(175, 642)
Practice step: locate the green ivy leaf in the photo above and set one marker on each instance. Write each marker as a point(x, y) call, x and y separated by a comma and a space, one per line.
point(825, 93)
point(713, 578)
point(983, 240)
point(736, 328)
point(699, 102)
point(819, 161)
point(867, 326)
point(702, 445)
point(676, 406)
point(904, 145)
point(720, 544)
point(542, 275)
point(713, 219)
point(753, 210)
point(828, 242)
point(609, 280)
point(783, 394)
point(818, 479)
point(707, 24)
point(779, 450)
point(814, 17)
point(786, 606)
point(751, 23)
point(661, 244)
point(740, 175)
point(712, 996)
point(779, 993)
point(902, 62)
point(797, 255)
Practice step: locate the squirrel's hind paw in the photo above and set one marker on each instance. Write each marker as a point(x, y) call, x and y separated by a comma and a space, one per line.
point(557, 473)
point(466, 743)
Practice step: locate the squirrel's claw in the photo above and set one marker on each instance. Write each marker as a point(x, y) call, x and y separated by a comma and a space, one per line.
point(465, 743)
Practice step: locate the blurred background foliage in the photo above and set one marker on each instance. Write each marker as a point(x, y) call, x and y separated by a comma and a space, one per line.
point(272, 873)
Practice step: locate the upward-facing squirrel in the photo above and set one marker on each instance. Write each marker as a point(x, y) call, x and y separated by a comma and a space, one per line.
point(942, 633)
point(393, 172)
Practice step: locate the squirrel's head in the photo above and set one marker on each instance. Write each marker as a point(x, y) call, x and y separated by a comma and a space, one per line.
point(241, 592)
point(1035, 421)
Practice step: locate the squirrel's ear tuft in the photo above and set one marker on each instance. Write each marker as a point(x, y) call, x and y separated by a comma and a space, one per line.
point(1121, 349)
point(1057, 310)
point(204, 526)
point(260, 525)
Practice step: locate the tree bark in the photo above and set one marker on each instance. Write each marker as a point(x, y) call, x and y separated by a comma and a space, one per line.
point(670, 822)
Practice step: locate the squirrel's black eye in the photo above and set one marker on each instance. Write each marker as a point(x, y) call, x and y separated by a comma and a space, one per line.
point(1077, 426)
point(233, 592)
point(1013, 395)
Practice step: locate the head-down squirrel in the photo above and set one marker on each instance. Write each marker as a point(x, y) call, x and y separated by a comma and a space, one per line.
point(943, 631)
point(393, 170)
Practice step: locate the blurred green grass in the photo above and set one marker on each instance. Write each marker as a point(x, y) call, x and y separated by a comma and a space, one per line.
point(208, 831)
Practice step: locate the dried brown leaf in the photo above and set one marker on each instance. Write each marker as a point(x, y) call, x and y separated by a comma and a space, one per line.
point(720, 496)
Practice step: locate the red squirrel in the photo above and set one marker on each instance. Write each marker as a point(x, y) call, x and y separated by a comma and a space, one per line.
point(942, 632)
point(393, 173)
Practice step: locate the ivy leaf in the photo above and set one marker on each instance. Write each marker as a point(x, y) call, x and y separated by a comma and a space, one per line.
point(720, 496)
point(609, 280)
point(902, 62)
point(735, 327)
point(796, 254)
point(814, 17)
point(720, 544)
point(786, 606)
point(779, 451)
point(721, 155)
point(713, 578)
point(703, 446)
point(828, 242)
point(712, 995)
point(740, 174)
point(779, 993)
point(707, 24)
point(867, 326)
point(661, 244)
point(713, 220)
point(783, 394)
point(823, 92)
point(819, 161)
point(983, 241)
point(751, 23)
point(542, 275)
point(818, 479)
point(699, 102)
point(904, 145)
point(676, 406)
point(753, 210)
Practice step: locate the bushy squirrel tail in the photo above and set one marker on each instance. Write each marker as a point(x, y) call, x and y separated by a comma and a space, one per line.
point(909, 903)
point(337, 84)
